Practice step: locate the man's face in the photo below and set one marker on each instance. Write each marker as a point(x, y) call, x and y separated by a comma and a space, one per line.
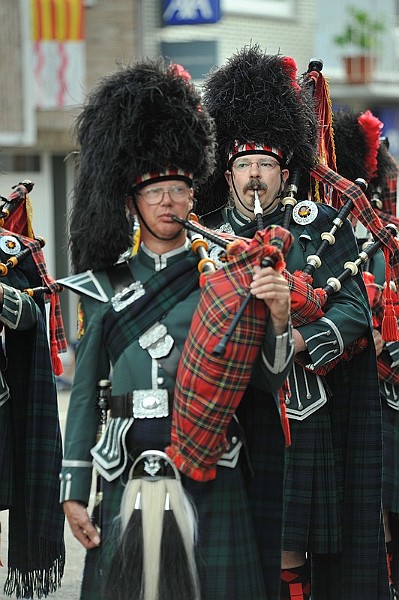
point(256, 170)
point(157, 202)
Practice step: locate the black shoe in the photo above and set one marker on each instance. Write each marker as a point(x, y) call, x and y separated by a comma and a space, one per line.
point(394, 592)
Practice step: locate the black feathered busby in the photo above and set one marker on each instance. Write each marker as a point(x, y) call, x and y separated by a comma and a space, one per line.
point(357, 140)
point(258, 106)
point(143, 119)
point(362, 152)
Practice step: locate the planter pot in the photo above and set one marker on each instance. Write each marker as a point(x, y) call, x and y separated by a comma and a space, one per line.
point(359, 69)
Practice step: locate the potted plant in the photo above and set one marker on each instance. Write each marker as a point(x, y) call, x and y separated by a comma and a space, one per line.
point(360, 37)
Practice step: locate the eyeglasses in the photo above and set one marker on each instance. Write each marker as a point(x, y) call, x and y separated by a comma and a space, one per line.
point(154, 195)
point(266, 164)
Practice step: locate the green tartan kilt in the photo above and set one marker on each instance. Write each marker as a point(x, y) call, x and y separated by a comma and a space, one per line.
point(228, 558)
point(7, 490)
point(390, 477)
point(313, 487)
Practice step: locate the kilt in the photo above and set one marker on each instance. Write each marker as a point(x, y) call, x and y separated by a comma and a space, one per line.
point(265, 442)
point(229, 561)
point(348, 560)
point(7, 487)
point(390, 473)
point(312, 490)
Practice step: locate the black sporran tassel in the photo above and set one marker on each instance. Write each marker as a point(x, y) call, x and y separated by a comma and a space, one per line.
point(126, 570)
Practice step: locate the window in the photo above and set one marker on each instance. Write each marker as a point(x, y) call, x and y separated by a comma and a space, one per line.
point(270, 8)
point(19, 162)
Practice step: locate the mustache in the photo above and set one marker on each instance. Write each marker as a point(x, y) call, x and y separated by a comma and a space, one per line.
point(255, 184)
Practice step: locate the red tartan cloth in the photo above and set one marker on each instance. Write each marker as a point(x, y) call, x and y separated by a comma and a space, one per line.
point(58, 340)
point(209, 388)
point(387, 218)
point(306, 301)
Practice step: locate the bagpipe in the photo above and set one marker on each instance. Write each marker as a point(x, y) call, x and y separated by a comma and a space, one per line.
point(210, 382)
point(348, 198)
point(19, 243)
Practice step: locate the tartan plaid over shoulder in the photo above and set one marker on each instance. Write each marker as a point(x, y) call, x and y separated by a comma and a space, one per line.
point(209, 388)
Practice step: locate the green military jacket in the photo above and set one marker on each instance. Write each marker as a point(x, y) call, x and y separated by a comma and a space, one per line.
point(347, 314)
point(135, 370)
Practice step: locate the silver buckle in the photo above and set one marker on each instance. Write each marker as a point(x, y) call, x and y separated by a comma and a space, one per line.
point(150, 404)
point(156, 341)
point(127, 296)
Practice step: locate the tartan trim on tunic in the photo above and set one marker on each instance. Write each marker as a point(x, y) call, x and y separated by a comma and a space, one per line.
point(385, 370)
point(209, 388)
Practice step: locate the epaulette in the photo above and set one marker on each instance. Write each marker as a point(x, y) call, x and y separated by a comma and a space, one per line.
point(85, 284)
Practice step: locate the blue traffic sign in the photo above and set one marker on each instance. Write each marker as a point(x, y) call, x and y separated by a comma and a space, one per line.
point(190, 12)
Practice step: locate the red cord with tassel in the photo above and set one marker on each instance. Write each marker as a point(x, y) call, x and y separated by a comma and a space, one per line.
point(389, 328)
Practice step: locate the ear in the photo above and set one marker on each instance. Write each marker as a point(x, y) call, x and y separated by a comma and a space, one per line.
point(130, 205)
point(284, 175)
point(227, 175)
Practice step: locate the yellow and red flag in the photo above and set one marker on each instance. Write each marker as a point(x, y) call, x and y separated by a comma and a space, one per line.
point(57, 33)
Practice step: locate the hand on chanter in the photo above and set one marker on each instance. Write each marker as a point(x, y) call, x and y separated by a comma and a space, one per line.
point(80, 524)
point(271, 287)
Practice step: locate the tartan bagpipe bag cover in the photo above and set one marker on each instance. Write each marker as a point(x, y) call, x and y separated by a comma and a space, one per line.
point(209, 388)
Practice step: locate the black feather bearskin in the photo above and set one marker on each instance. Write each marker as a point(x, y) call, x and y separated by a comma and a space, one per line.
point(350, 146)
point(256, 98)
point(142, 118)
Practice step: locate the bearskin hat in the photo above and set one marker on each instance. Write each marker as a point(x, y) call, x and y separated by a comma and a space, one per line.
point(143, 119)
point(255, 99)
point(362, 152)
point(357, 142)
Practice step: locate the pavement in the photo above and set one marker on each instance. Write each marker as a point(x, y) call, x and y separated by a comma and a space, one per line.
point(74, 551)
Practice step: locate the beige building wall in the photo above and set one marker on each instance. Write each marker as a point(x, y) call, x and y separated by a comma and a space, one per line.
point(291, 36)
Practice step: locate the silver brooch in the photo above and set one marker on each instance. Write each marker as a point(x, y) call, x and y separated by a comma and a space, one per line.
point(10, 245)
point(305, 212)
